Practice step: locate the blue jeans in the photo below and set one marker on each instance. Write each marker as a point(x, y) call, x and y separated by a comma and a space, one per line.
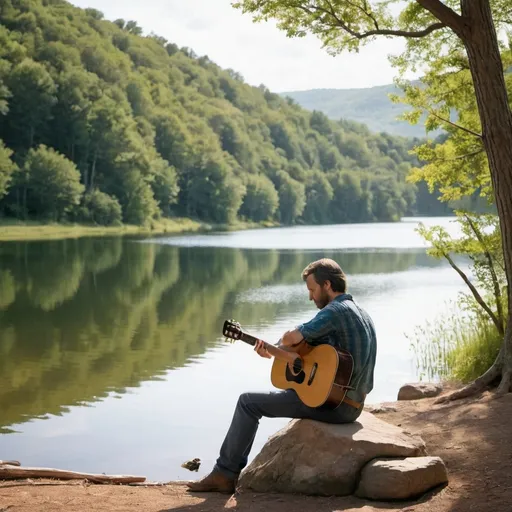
point(251, 407)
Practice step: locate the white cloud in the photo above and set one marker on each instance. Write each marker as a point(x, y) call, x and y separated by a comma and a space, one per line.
point(259, 51)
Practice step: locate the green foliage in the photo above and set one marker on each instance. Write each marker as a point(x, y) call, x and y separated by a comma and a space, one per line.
point(100, 208)
point(33, 96)
point(261, 199)
point(480, 242)
point(292, 198)
point(165, 132)
point(456, 347)
point(7, 168)
point(463, 345)
point(319, 194)
point(475, 351)
point(52, 183)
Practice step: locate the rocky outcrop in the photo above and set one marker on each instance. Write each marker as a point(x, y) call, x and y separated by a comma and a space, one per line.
point(394, 479)
point(418, 390)
point(311, 457)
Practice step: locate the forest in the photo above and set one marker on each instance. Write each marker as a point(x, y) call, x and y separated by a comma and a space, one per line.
point(102, 124)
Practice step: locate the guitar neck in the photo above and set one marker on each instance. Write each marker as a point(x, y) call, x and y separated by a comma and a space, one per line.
point(274, 351)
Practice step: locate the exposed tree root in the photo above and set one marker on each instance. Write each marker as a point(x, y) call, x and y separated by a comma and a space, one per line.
point(505, 384)
point(476, 386)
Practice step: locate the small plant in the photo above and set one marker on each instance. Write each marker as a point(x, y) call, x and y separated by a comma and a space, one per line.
point(457, 347)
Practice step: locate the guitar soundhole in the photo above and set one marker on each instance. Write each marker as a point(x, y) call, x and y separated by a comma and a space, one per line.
point(299, 376)
point(313, 373)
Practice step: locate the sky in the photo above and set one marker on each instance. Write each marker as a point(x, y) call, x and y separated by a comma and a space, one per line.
point(260, 52)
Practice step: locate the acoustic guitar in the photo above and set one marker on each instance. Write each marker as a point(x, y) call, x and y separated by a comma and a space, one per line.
point(320, 375)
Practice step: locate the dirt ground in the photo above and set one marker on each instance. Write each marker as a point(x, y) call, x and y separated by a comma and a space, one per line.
point(472, 436)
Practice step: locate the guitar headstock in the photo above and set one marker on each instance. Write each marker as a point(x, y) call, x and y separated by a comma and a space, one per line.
point(232, 330)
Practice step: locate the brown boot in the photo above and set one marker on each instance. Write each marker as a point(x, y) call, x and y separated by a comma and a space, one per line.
point(214, 482)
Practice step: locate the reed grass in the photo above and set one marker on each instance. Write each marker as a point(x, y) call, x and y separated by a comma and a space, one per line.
point(456, 347)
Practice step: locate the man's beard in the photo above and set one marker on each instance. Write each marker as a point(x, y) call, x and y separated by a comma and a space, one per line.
point(322, 301)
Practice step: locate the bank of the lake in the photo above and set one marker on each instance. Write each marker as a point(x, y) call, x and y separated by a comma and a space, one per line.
point(473, 451)
point(12, 230)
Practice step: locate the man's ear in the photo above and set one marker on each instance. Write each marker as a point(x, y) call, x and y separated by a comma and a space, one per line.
point(328, 285)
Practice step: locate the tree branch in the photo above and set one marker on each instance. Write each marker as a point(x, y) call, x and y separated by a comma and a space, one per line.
point(494, 277)
point(338, 22)
point(445, 15)
point(459, 157)
point(455, 125)
point(402, 33)
point(474, 291)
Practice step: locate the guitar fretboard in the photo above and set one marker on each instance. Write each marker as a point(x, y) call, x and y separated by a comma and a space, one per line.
point(251, 340)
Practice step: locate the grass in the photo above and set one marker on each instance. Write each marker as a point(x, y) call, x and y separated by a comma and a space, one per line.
point(455, 348)
point(11, 230)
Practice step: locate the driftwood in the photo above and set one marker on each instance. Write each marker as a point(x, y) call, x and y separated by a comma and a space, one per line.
point(9, 462)
point(9, 472)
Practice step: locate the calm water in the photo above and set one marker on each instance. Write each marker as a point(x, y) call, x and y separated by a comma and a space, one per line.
point(111, 354)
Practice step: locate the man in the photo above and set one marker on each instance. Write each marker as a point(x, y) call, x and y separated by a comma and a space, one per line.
point(341, 323)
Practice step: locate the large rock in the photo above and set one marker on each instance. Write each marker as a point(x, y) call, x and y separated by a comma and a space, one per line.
point(417, 390)
point(311, 457)
point(395, 479)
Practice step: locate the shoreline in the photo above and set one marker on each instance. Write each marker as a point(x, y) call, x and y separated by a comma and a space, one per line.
point(13, 231)
point(474, 450)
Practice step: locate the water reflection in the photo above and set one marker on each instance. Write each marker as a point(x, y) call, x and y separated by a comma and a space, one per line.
point(82, 318)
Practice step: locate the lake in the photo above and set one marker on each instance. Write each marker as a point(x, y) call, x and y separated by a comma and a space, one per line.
point(111, 352)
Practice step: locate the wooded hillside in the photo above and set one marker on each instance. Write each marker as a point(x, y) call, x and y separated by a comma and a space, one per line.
point(99, 123)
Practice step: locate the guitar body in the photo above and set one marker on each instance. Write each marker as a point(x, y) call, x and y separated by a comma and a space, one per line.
point(323, 379)
point(320, 375)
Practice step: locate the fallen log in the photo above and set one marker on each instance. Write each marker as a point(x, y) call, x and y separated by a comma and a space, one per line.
point(14, 472)
point(9, 462)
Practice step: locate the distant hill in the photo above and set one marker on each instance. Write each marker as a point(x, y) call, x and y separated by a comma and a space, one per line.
point(371, 106)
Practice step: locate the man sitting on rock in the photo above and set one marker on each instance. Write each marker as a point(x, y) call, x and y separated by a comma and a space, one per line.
point(342, 323)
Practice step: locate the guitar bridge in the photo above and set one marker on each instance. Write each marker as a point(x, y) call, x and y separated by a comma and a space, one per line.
point(312, 374)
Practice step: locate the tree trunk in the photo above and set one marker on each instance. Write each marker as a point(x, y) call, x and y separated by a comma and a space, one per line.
point(8, 472)
point(481, 44)
point(93, 170)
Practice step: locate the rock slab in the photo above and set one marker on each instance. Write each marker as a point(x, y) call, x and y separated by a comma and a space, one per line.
point(418, 390)
point(395, 479)
point(315, 458)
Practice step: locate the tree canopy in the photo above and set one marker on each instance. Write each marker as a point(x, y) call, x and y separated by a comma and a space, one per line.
point(159, 130)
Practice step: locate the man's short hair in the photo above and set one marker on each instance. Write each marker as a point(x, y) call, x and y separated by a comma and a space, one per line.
point(327, 270)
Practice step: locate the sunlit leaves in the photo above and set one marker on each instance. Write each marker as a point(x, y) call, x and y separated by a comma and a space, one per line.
point(7, 168)
point(337, 23)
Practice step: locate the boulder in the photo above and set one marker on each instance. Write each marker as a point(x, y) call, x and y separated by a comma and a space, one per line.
point(417, 390)
point(395, 479)
point(311, 457)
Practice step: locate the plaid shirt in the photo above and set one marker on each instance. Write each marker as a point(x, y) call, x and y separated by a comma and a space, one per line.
point(344, 324)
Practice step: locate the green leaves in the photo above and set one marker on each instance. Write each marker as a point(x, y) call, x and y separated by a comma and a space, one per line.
point(7, 168)
point(52, 182)
point(261, 199)
point(339, 24)
point(158, 130)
